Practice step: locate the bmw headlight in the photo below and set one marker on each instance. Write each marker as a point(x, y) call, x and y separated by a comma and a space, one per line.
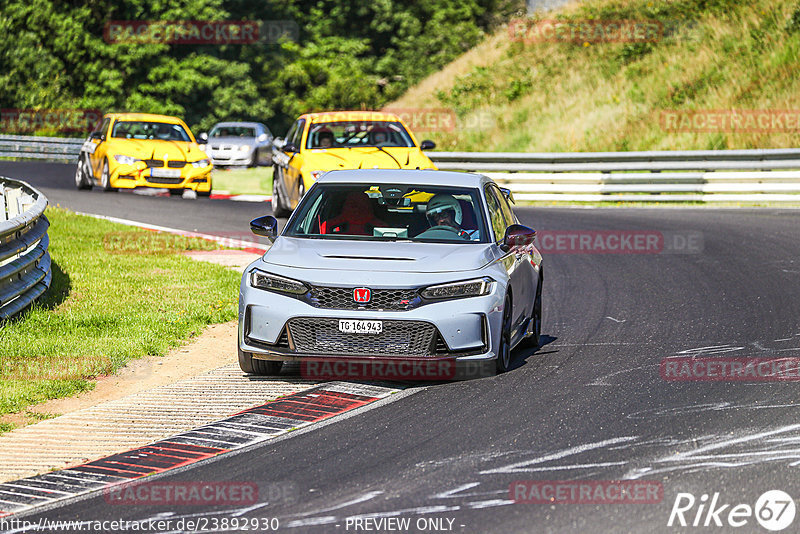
point(456, 290)
point(201, 163)
point(244, 148)
point(126, 160)
point(278, 284)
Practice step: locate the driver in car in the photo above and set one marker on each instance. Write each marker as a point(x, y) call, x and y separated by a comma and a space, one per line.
point(444, 217)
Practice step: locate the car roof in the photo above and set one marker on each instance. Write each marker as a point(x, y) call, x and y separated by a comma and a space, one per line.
point(405, 177)
point(144, 117)
point(344, 116)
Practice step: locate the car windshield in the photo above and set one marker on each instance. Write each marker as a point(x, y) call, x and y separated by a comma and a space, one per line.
point(389, 212)
point(150, 130)
point(233, 131)
point(358, 134)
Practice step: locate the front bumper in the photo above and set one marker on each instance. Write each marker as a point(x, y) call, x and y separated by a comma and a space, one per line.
point(138, 175)
point(277, 327)
point(232, 157)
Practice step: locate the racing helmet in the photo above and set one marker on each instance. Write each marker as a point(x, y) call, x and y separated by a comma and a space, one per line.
point(324, 133)
point(443, 202)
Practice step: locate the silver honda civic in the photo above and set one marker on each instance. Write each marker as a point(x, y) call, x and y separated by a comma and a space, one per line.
point(426, 268)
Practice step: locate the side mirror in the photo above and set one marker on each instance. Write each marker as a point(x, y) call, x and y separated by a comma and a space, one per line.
point(262, 138)
point(266, 226)
point(518, 238)
point(97, 135)
point(202, 138)
point(427, 145)
point(290, 147)
point(507, 193)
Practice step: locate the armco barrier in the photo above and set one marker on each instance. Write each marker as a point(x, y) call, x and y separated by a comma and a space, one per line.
point(771, 175)
point(24, 261)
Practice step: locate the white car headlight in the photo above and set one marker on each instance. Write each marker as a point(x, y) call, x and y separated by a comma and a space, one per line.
point(279, 284)
point(126, 160)
point(456, 290)
point(201, 163)
point(244, 148)
point(316, 174)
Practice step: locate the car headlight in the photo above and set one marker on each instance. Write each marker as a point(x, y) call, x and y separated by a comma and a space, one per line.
point(316, 174)
point(201, 163)
point(279, 284)
point(126, 160)
point(244, 148)
point(456, 290)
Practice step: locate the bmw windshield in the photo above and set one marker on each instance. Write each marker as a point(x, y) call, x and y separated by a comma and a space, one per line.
point(354, 134)
point(381, 212)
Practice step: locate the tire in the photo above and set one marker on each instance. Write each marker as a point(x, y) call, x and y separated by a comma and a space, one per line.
point(250, 365)
point(279, 209)
point(105, 178)
point(504, 352)
point(82, 177)
point(533, 340)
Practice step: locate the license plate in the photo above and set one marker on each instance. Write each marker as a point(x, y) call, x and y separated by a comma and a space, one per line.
point(165, 173)
point(352, 326)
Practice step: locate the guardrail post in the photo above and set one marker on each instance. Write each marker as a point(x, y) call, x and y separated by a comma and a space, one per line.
point(3, 215)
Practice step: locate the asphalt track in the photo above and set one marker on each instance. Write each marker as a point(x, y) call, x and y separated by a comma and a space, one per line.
point(588, 405)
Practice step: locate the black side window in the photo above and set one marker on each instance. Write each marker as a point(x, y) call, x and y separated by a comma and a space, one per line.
point(505, 207)
point(298, 132)
point(495, 214)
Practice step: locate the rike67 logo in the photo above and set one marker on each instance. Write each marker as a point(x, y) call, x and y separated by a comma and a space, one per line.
point(774, 510)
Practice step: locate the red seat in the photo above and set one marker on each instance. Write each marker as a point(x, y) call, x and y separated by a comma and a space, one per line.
point(356, 218)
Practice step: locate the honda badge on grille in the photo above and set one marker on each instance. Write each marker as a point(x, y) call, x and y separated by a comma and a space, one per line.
point(362, 294)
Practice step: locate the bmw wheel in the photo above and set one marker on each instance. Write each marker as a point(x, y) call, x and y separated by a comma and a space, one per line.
point(279, 208)
point(82, 175)
point(504, 352)
point(105, 178)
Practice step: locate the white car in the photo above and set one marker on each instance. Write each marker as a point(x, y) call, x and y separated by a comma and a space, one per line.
point(393, 264)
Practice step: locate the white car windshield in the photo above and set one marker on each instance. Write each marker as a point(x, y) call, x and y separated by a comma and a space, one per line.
point(381, 212)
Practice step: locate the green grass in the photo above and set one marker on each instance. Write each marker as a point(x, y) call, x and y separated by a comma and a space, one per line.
point(603, 96)
point(118, 293)
point(251, 181)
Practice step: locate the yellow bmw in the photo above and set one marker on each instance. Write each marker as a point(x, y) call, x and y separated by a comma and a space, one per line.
point(129, 150)
point(335, 140)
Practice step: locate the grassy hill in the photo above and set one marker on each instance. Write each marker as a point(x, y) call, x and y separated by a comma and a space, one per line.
point(596, 95)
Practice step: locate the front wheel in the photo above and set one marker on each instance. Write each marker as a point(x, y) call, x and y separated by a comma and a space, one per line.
point(279, 208)
point(250, 365)
point(105, 178)
point(504, 352)
point(82, 175)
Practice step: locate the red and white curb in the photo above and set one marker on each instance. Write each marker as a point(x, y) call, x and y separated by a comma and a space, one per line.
point(251, 426)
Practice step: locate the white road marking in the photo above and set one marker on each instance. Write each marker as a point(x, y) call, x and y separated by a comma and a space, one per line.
point(615, 320)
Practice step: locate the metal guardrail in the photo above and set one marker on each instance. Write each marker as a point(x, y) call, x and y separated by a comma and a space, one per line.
point(34, 147)
point(689, 175)
point(663, 176)
point(25, 272)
